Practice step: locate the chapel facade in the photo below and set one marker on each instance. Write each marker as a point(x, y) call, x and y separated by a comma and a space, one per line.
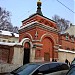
point(41, 39)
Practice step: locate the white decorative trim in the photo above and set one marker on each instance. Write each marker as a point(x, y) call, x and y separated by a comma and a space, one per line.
point(49, 28)
point(43, 26)
point(26, 40)
point(56, 47)
point(9, 44)
point(22, 41)
point(28, 25)
point(67, 51)
point(35, 40)
point(39, 48)
point(30, 36)
point(38, 44)
point(48, 35)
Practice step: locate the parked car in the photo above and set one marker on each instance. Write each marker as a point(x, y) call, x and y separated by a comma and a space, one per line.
point(51, 68)
point(71, 71)
point(72, 68)
point(72, 63)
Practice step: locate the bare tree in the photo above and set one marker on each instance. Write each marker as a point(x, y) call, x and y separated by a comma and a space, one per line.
point(15, 29)
point(61, 23)
point(5, 21)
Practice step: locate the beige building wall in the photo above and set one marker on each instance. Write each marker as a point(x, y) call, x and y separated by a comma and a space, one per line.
point(65, 54)
point(6, 36)
point(17, 60)
point(71, 30)
point(18, 55)
point(9, 39)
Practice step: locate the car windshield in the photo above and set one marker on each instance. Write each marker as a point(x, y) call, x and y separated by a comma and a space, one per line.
point(72, 71)
point(73, 62)
point(26, 69)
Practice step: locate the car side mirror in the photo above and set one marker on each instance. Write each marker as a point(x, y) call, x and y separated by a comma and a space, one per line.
point(40, 73)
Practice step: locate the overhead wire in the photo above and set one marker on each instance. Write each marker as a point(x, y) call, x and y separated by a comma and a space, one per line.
point(46, 0)
point(57, 1)
point(66, 6)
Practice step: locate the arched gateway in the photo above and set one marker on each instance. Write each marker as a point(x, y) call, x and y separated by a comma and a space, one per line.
point(26, 57)
point(42, 35)
point(27, 50)
point(48, 49)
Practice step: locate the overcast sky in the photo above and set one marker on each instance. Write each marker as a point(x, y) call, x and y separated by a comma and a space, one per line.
point(22, 9)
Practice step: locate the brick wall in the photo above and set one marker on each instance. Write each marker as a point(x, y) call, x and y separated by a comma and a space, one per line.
point(6, 54)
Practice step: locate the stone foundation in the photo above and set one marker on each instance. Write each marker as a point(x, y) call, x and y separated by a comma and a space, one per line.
point(8, 67)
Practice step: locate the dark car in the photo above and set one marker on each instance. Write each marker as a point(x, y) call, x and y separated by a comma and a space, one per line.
point(71, 71)
point(51, 68)
point(72, 68)
point(72, 63)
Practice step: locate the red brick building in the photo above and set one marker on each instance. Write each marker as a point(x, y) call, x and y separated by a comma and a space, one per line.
point(42, 40)
point(39, 41)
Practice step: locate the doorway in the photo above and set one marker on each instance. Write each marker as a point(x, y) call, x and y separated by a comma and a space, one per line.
point(26, 57)
point(46, 57)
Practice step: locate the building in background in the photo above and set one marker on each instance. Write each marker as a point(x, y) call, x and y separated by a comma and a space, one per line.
point(10, 37)
point(71, 30)
point(67, 44)
point(7, 42)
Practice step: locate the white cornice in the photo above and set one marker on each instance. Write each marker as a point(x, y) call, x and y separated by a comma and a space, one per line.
point(43, 26)
point(67, 51)
point(38, 44)
point(28, 25)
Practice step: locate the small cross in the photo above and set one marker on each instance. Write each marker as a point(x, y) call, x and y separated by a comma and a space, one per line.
point(36, 34)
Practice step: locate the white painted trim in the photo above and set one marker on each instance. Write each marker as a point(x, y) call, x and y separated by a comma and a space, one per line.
point(28, 25)
point(36, 40)
point(67, 51)
point(49, 35)
point(39, 48)
point(26, 40)
point(38, 44)
point(40, 25)
point(22, 41)
point(30, 36)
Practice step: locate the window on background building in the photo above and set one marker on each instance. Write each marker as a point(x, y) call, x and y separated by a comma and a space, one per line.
point(4, 40)
point(13, 34)
point(73, 49)
point(72, 38)
point(61, 47)
point(67, 37)
point(13, 41)
point(9, 41)
point(68, 48)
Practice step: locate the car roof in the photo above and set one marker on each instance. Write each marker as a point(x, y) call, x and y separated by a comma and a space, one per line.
point(41, 63)
point(38, 64)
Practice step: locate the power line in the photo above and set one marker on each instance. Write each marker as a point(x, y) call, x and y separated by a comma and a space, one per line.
point(45, 1)
point(66, 6)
